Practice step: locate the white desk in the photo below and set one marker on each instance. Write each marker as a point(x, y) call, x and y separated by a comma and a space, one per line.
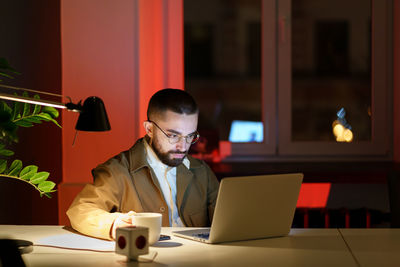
point(374, 247)
point(304, 247)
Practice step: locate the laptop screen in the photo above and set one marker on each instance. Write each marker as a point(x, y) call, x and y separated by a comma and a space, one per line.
point(246, 131)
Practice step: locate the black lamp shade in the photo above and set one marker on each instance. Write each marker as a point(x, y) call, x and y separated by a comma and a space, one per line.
point(93, 116)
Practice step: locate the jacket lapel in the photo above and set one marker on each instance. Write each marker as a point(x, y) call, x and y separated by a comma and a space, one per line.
point(138, 161)
point(184, 178)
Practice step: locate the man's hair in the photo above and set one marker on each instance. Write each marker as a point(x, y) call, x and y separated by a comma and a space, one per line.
point(175, 100)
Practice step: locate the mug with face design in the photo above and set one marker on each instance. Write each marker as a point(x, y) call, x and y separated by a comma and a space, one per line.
point(150, 220)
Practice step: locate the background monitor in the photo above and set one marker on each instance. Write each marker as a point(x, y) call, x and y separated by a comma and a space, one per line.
point(246, 131)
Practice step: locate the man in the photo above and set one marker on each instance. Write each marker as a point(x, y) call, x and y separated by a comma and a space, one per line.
point(155, 175)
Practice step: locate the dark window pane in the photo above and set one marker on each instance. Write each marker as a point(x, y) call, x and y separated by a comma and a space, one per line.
point(223, 64)
point(331, 73)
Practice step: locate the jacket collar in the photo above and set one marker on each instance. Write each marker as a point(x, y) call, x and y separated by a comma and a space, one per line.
point(137, 156)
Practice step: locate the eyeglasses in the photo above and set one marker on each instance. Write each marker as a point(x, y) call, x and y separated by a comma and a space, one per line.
point(175, 138)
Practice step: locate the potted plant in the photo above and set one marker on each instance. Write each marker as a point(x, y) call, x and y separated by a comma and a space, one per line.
point(12, 116)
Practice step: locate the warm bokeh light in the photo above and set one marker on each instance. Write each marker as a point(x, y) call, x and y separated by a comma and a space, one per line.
point(348, 135)
point(337, 128)
point(341, 133)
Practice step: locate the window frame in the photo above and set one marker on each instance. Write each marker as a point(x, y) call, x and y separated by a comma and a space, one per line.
point(268, 89)
point(276, 95)
point(380, 104)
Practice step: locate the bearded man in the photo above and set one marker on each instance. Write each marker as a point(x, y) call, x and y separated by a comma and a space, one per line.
point(155, 175)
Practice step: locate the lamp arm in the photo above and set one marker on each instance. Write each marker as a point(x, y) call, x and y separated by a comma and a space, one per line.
point(32, 101)
point(74, 107)
point(70, 106)
point(92, 117)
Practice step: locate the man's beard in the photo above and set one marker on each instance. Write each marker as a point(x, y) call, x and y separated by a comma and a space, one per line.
point(164, 157)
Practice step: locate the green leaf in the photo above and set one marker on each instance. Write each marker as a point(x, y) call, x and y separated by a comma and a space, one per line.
point(3, 165)
point(33, 119)
point(15, 168)
point(39, 177)
point(44, 116)
point(15, 110)
point(47, 117)
point(28, 172)
point(46, 194)
point(46, 186)
point(27, 107)
point(36, 108)
point(28, 176)
point(27, 110)
point(23, 123)
point(5, 108)
point(6, 75)
point(6, 152)
point(23, 115)
point(51, 111)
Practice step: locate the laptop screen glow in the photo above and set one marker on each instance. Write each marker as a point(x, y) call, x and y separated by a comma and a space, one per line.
point(246, 131)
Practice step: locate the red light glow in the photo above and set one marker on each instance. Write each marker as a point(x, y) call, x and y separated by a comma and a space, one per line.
point(313, 195)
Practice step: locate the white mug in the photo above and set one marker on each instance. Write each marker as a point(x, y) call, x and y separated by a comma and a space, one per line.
point(151, 220)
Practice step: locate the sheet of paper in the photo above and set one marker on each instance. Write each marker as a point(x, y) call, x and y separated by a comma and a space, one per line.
point(81, 242)
point(76, 241)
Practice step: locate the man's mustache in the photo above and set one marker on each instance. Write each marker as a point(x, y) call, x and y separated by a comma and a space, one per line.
point(177, 152)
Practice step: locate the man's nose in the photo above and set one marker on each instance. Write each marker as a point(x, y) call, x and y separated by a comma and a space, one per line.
point(182, 145)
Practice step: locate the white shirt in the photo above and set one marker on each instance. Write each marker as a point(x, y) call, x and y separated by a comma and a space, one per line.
point(166, 177)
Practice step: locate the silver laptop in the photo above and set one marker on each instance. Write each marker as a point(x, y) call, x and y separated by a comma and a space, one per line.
point(251, 207)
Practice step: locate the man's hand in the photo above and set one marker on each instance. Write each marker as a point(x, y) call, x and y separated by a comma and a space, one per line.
point(125, 219)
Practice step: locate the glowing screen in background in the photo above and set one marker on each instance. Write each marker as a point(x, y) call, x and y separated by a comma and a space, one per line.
point(246, 131)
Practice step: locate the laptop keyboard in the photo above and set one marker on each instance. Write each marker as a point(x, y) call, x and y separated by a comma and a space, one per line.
point(202, 235)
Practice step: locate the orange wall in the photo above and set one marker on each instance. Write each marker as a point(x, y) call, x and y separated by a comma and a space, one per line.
point(160, 39)
point(121, 51)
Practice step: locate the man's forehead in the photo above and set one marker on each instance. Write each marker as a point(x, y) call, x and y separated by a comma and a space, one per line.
point(179, 123)
point(170, 115)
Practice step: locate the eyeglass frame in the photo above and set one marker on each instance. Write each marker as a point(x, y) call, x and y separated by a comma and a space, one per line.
point(196, 136)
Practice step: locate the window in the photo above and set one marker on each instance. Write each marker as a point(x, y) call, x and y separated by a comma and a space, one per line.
point(314, 73)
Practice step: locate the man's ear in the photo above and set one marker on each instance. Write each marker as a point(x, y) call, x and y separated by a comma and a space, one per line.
point(148, 127)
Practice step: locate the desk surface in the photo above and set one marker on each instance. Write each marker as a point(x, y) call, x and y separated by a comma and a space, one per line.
point(303, 247)
point(374, 247)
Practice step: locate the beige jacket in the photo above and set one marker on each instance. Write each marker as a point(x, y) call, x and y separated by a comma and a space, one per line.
point(126, 182)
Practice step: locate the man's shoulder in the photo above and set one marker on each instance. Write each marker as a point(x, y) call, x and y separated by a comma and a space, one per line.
point(130, 159)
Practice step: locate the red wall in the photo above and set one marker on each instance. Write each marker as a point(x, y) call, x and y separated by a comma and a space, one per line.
point(160, 39)
point(122, 52)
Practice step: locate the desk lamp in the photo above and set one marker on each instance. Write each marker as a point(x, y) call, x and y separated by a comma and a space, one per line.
point(92, 117)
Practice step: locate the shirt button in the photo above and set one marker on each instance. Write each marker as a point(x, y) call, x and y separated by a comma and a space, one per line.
point(162, 209)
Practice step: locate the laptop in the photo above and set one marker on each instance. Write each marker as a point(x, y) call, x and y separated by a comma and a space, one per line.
point(251, 207)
